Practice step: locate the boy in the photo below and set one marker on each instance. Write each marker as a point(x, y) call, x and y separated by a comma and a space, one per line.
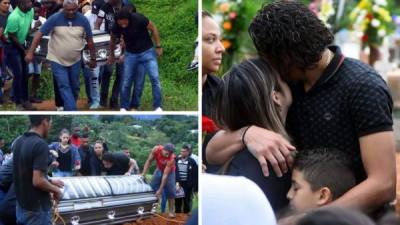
point(319, 177)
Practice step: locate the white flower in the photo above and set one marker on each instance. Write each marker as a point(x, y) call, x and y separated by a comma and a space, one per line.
point(375, 8)
point(381, 32)
point(375, 23)
point(381, 2)
point(359, 34)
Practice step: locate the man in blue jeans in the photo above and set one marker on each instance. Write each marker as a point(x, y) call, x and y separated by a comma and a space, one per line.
point(16, 31)
point(30, 165)
point(68, 30)
point(139, 51)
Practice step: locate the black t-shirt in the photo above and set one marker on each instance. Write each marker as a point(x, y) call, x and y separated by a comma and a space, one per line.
point(3, 20)
point(85, 155)
point(107, 12)
point(96, 166)
point(30, 152)
point(275, 188)
point(64, 159)
point(349, 101)
point(136, 36)
point(120, 165)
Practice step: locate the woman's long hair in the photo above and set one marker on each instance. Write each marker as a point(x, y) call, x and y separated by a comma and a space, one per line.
point(244, 98)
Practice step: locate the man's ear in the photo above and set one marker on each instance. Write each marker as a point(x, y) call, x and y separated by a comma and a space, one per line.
point(325, 196)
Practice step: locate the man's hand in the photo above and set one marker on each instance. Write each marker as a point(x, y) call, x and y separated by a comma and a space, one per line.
point(29, 57)
point(92, 63)
point(158, 193)
point(55, 164)
point(57, 182)
point(269, 146)
point(127, 174)
point(57, 195)
point(159, 51)
point(37, 24)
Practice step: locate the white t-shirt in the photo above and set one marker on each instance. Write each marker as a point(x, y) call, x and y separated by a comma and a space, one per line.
point(92, 20)
point(228, 200)
point(41, 19)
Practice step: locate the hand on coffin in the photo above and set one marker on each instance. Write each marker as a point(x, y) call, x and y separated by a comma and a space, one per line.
point(57, 195)
point(57, 182)
point(158, 193)
point(29, 57)
point(127, 174)
point(177, 186)
point(55, 164)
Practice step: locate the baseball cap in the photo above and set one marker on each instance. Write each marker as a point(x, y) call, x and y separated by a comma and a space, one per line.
point(96, 6)
point(169, 147)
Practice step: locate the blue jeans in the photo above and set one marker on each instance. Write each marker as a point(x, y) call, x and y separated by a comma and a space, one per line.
point(105, 78)
point(25, 217)
point(67, 78)
point(91, 77)
point(14, 60)
point(132, 61)
point(62, 174)
point(35, 67)
point(169, 188)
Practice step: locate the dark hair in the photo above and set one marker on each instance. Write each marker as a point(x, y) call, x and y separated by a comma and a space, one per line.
point(335, 216)
point(325, 167)
point(130, 7)
point(390, 218)
point(187, 147)
point(108, 157)
point(64, 131)
point(205, 13)
point(85, 135)
point(36, 120)
point(288, 34)
point(124, 13)
point(244, 97)
point(37, 5)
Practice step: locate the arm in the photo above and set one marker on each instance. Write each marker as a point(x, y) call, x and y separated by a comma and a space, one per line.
point(156, 37)
point(131, 166)
point(265, 145)
point(98, 23)
point(39, 181)
point(92, 51)
point(111, 59)
point(378, 156)
point(35, 43)
point(13, 38)
point(148, 161)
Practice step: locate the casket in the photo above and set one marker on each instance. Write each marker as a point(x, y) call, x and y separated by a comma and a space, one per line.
point(101, 41)
point(105, 200)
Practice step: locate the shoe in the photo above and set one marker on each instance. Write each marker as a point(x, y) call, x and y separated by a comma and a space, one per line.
point(60, 108)
point(35, 100)
point(122, 110)
point(171, 215)
point(134, 109)
point(28, 106)
point(158, 109)
point(194, 65)
point(94, 106)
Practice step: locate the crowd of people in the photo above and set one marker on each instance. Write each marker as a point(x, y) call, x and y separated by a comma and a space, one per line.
point(29, 174)
point(71, 27)
point(309, 128)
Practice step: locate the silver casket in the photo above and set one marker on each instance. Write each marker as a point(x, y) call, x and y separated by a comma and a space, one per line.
point(105, 200)
point(101, 41)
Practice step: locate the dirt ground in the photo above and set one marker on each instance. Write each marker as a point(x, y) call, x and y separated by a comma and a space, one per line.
point(48, 105)
point(162, 219)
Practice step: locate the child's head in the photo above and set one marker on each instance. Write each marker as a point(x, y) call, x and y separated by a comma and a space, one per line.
point(37, 7)
point(319, 177)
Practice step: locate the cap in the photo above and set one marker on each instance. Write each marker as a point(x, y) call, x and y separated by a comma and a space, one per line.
point(96, 6)
point(169, 147)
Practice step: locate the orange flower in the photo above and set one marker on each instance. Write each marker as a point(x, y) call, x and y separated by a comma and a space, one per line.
point(227, 26)
point(224, 7)
point(227, 44)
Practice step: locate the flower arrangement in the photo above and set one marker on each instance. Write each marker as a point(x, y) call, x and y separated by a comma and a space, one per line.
point(324, 9)
point(229, 13)
point(372, 21)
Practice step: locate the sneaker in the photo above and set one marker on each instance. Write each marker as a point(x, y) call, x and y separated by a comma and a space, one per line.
point(171, 215)
point(194, 65)
point(134, 109)
point(94, 106)
point(159, 109)
point(61, 108)
point(35, 100)
point(122, 110)
point(28, 106)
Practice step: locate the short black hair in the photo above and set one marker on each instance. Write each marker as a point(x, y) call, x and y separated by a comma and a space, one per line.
point(288, 33)
point(335, 216)
point(187, 147)
point(124, 13)
point(108, 156)
point(36, 120)
point(326, 167)
point(205, 13)
point(85, 135)
point(37, 5)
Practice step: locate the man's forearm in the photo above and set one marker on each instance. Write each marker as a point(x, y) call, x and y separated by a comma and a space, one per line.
point(35, 42)
point(368, 195)
point(112, 45)
point(14, 40)
point(156, 37)
point(146, 167)
point(46, 186)
point(223, 146)
point(91, 48)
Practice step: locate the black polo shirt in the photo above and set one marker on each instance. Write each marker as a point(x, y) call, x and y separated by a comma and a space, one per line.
point(120, 165)
point(349, 101)
point(30, 152)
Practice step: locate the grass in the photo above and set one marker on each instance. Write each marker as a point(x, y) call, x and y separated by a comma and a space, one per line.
point(175, 20)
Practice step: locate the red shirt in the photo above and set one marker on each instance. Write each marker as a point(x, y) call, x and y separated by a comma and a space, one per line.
point(162, 160)
point(75, 141)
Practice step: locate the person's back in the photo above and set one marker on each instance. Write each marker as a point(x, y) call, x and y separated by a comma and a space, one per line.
point(30, 152)
point(120, 164)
